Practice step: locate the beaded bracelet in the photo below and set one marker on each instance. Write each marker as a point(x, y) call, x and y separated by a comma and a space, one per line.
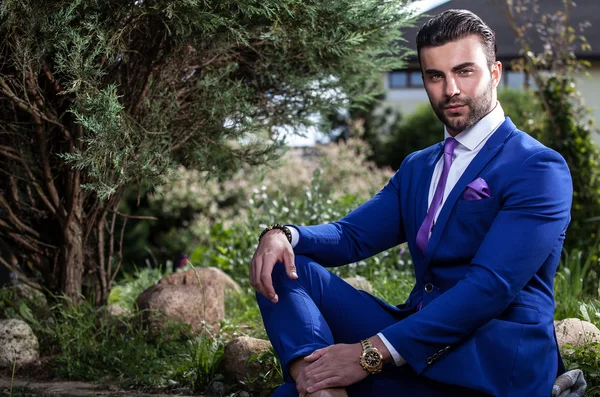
point(285, 229)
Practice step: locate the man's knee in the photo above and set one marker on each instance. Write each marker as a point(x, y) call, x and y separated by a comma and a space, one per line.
point(303, 264)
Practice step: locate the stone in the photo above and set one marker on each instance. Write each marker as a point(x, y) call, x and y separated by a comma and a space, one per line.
point(576, 332)
point(30, 294)
point(237, 355)
point(115, 311)
point(185, 302)
point(18, 344)
point(218, 388)
point(184, 391)
point(359, 282)
point(204, 274)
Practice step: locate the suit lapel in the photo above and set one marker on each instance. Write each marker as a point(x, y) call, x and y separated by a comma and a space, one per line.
point(487, 153)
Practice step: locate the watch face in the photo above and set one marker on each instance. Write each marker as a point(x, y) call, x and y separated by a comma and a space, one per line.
point(372, 358)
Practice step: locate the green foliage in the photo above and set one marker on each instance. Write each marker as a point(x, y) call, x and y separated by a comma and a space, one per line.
point(576, 280)
point(566, 125)
point(219, 73)
point(408, 134)
point(126, 291)
point(231, 249)
point(98, 96)
point(192, 205)
point(268, 380)
point(89, 344)
point(201, 364)
point(568, 130)
point(586, 357)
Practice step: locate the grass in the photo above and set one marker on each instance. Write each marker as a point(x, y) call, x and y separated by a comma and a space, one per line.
point(575, 283)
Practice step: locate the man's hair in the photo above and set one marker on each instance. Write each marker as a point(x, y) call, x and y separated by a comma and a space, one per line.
point(453, 25)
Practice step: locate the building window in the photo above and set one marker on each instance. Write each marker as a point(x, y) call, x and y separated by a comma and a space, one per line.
point(514, 79)
point(398, 79)
point(405, 79)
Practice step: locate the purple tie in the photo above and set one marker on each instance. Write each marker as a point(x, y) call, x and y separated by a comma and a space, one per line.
point(427, 225)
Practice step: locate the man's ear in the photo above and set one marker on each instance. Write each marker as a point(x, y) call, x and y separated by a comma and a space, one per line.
point(496, 73)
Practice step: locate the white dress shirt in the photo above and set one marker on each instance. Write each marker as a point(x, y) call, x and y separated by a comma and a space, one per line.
point(470, 142)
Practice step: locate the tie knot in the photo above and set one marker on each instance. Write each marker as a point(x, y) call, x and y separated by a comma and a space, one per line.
point(450, 145)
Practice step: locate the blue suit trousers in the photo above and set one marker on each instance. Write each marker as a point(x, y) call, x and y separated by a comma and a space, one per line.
point(320, 309)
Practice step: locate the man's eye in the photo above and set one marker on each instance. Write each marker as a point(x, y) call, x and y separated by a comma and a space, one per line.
point(465, 71)
point(435, 77)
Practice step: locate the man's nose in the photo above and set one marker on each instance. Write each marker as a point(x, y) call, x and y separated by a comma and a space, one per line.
point(451, 88)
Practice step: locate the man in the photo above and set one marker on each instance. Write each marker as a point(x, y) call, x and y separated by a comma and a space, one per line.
point(484, 215)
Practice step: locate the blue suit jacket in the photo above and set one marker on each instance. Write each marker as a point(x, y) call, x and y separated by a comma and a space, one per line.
point(488, 322)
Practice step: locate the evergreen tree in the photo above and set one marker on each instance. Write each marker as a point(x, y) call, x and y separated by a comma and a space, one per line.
point(99, 95)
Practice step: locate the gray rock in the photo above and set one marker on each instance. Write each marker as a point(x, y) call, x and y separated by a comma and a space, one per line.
point(18, 344)
point(191, 304)
point(237, 357)
point(576, 332)
point(202, 275)
point(117, 311)
point(218, 388)
point(184, 391)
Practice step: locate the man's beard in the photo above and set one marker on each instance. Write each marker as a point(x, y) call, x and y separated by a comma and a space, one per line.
point(478, 108)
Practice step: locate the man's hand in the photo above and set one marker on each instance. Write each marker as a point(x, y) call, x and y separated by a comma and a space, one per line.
point(330, 367)
point(273, 247)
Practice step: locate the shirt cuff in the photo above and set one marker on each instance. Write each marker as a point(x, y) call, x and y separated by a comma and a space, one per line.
point(398, 360)
point(295, 235)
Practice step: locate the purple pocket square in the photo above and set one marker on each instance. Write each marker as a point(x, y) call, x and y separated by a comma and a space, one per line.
point(477, 190)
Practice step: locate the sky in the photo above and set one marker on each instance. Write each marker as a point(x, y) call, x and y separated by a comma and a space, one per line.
point(426, 5)
point(311, 134)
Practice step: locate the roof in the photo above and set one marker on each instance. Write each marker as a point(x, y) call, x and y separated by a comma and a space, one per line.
point(585, 11)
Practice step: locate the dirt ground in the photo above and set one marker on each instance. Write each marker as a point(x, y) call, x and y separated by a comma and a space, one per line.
point(49, 388)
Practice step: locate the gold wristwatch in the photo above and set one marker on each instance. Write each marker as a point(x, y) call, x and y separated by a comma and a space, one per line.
point(370, 359)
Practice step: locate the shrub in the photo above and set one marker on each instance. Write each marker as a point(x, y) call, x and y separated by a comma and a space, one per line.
point(189, 207)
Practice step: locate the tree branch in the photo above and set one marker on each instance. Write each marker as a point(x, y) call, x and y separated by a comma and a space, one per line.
point(182, 142)
point(144, 90)
point(20, 226)
point(22, 277)
point(22, 240)
point(152, 218)
point(100, 253)
point(56, 85)
point(73, 196)
point(120, 254)
point(111, 247)
point(23, 105)
point(510, 16)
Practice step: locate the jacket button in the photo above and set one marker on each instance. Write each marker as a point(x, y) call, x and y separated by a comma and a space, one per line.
point(429, 360)
point(428, 287)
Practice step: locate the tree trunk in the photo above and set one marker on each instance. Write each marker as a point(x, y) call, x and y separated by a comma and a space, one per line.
point(72, 261)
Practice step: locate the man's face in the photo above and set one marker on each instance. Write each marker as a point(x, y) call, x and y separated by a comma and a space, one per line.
point(460, 85)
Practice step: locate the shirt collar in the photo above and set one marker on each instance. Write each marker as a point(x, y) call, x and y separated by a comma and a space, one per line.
point(473, 136)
